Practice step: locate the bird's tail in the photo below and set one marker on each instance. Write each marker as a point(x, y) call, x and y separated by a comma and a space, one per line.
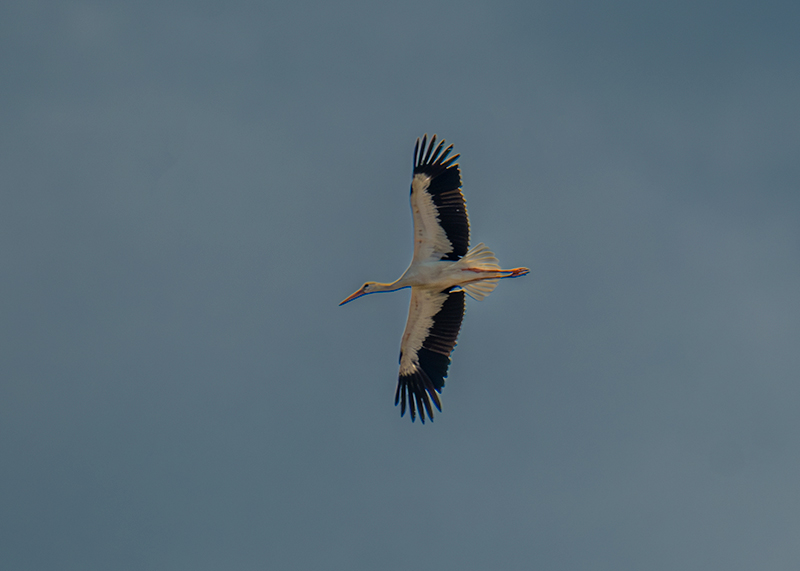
point(483, 258)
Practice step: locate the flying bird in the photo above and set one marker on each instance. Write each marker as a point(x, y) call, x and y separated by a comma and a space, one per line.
point(442, 270)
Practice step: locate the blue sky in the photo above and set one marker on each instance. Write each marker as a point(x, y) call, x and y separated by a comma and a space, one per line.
point(187, 191)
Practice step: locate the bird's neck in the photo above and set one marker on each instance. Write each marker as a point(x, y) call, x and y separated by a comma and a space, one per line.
point(394, 286)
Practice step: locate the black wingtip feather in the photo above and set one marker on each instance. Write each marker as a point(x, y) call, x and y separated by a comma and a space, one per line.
point(429, 151)
point(422, 146)
point(449, 162)
point(437, 154)
point(432, 155)
point(418, 392)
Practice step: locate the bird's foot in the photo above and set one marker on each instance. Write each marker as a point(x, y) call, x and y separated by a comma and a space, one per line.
point(517, 272)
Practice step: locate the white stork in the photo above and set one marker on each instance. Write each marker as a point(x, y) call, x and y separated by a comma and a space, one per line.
point(442, 269)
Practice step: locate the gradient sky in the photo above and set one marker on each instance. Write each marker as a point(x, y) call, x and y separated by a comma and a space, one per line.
point(188, 190)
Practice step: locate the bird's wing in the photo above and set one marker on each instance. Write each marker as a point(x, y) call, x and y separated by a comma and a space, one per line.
point(441, 226)
point(434, 320)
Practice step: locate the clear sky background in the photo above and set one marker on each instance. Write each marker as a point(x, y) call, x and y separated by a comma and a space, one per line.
point(188, 190)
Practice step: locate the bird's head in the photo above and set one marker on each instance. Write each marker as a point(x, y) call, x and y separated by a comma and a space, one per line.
point(369, 287)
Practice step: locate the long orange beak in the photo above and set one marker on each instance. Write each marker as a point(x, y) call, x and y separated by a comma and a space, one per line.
point(359, 293)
